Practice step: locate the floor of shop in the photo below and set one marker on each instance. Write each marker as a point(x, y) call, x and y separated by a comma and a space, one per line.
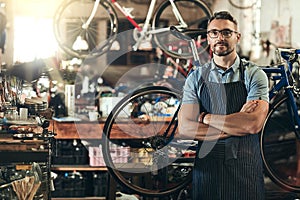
point(274, 192)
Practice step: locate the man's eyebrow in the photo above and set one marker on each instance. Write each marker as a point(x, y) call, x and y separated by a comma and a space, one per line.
point(225, 29)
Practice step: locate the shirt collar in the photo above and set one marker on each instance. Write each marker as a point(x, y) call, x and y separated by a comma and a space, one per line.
point(233, 67)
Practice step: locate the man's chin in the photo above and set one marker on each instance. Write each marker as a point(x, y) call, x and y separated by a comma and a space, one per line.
point(222, 53)
point(220, 49)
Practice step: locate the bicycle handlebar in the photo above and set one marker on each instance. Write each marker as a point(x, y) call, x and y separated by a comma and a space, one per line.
point(290, 55)
point(187, 34)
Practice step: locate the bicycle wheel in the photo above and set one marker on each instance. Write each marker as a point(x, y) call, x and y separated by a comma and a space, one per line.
point(139, 150)
point(91, 41)
point(187, 8)
point(280, 147)
point(243, 4)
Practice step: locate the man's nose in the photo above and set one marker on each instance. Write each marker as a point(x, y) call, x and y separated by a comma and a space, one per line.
point(220, 36)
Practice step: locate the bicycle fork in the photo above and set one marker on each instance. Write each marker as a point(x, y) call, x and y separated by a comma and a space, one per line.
point(144, 31)
point(87, 23)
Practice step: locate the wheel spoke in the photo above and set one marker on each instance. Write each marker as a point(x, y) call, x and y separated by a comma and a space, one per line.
point(68, 21)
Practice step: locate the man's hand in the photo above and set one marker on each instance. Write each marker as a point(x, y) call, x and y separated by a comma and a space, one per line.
point(249, 106)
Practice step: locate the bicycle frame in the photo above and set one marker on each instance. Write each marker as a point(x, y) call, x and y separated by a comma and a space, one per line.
point(142, 30)
point(149, 16)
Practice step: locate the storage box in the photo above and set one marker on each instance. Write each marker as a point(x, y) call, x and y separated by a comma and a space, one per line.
point(119, 155)
point(106, 104)
point(66, 153)
point(96, 157)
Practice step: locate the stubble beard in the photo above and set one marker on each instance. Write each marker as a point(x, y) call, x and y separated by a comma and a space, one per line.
point(222, 52)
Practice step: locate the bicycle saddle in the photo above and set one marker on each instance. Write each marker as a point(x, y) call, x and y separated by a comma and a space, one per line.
point(188, 34)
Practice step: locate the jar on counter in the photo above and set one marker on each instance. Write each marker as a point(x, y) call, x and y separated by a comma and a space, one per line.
point(11, 113)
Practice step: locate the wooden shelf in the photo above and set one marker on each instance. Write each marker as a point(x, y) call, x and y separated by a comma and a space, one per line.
point(79, 198)
point(77, 168)
point(93, 130)
point(77, 130)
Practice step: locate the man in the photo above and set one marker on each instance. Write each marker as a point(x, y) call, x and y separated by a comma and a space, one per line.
point(224, 105)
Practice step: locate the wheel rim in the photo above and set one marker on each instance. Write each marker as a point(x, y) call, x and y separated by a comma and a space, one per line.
point(243, 4)
point(279, 147)
point(169, 43)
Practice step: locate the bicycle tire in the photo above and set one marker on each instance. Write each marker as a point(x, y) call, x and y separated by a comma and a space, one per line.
point(140, 1)
point(187, 8)
point(160, 171)
point(243, 5)
point(278, 145)
point(68, 21)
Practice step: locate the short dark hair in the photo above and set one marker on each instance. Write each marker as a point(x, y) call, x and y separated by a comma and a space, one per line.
point(223, 15)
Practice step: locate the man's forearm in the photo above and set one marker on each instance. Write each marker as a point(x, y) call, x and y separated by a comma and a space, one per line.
point(199, 131)
point(248, 121)
point(235, 124)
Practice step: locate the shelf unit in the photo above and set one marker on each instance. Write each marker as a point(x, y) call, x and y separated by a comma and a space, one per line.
point(87, 131)
point(68, 132)
point(20, 156)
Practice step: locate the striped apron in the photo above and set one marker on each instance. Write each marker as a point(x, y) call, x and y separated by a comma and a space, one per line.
point(232, 169)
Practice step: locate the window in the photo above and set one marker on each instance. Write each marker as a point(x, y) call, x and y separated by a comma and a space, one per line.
point(34, 39)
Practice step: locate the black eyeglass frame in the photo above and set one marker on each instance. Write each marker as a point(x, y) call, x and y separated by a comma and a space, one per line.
point(222, 32)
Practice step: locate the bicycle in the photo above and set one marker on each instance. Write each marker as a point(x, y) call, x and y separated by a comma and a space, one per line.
point(77, 25)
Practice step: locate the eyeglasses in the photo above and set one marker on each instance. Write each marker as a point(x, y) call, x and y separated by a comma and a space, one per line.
point(226, 33)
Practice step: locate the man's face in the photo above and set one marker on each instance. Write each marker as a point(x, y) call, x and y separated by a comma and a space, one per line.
point(222, 45)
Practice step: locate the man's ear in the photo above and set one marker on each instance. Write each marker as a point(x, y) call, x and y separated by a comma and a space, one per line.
point(238, 36)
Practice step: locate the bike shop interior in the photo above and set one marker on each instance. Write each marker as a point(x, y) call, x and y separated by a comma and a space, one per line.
point(58, 89)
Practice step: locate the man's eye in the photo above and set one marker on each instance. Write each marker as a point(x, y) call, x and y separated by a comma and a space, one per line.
point(226, 33)
point(214, 32)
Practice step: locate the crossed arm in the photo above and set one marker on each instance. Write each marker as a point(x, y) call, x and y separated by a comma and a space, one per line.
point(249, 120)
